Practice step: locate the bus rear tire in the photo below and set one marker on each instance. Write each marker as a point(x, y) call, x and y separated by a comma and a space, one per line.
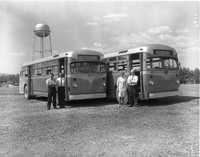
point(26, 93)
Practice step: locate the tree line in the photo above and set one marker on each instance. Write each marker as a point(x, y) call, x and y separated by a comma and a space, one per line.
point(189, 76)
point(9, 79)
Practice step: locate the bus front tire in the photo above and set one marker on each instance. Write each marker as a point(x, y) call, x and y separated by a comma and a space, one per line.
point(26, 93)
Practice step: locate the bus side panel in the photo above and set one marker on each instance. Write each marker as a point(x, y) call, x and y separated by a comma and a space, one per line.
point(146, 75)
point(39, 84)
point(29, 82)
point(67, 71)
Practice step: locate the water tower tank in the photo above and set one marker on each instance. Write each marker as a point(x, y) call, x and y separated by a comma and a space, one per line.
point(42, 30)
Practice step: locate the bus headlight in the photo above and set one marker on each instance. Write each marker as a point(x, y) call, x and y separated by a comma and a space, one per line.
point(151, 82)
point(75, 85)
point(177, 81)
point(104, 84)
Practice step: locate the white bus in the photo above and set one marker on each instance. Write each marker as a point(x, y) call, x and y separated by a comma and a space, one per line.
point(85, 75)
point(157, 68)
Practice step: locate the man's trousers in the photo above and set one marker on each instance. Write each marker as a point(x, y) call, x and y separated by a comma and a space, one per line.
point(51, 97)
point(61, 97)
point(132, 95)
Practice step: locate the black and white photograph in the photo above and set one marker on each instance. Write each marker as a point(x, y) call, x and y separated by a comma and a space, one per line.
point(92, 78)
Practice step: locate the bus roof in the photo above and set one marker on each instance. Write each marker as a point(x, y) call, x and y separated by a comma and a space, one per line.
point(144, 49)
point(71, 54)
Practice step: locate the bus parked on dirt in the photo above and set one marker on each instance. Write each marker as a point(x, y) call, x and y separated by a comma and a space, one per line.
point(156, 65)
point(85, 75)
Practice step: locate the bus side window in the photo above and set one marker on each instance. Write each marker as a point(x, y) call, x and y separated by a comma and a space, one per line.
point(25, 72)
point(55, 69)
point(122, 63)
point(33, 70)
point(39, 69)
point(22, 73)
point(148, 63)
point(48, 67)
point(135, 64)
point(135, 61)
point(122, 66)
point(48, 71)
point(43, 69)
point(73, 68)
point(112, 64)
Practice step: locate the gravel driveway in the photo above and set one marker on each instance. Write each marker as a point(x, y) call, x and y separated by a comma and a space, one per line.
point(160, 128)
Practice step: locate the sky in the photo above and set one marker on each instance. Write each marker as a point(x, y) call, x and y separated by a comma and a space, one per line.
point(106, 26)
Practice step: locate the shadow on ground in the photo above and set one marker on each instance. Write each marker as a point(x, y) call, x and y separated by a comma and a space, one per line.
point(167, 101)
point(103, 102)
point(84, 103)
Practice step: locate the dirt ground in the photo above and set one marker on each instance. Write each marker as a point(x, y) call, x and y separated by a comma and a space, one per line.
point(166, 127)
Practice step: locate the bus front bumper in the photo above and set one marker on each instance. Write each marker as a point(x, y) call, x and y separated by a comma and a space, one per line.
point(87, 96)
point(163, 94)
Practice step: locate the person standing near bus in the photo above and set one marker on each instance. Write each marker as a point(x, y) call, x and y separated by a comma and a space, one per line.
point(121, 88)
point(61, 89)
point(132, 81)
point(51, 84)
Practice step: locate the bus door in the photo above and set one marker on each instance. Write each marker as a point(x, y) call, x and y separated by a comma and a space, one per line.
point(61, 65)
point(136, 62)
point(112, 77)
point(29, 81)
point(66, 72)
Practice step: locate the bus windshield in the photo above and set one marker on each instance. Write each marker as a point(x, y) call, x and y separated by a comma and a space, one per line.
point(87, 67)
point(161, 63)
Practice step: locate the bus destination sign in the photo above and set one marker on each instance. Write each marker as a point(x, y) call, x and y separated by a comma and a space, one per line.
point(163, 52)
point(88, 58)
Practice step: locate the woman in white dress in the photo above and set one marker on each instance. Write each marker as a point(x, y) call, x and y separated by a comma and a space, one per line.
point(121, 88)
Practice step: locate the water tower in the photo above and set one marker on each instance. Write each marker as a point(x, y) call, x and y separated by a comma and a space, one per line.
point(42, 39)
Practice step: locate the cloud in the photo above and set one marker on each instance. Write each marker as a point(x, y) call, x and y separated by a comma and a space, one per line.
point(106, 19)
point(182, 31)
point(92, 23)
point(97, 44)
point(190, 57)
point(183, 41)
point(15, 53)
point(160, 30)
point(115, 17)
point(160, 34)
